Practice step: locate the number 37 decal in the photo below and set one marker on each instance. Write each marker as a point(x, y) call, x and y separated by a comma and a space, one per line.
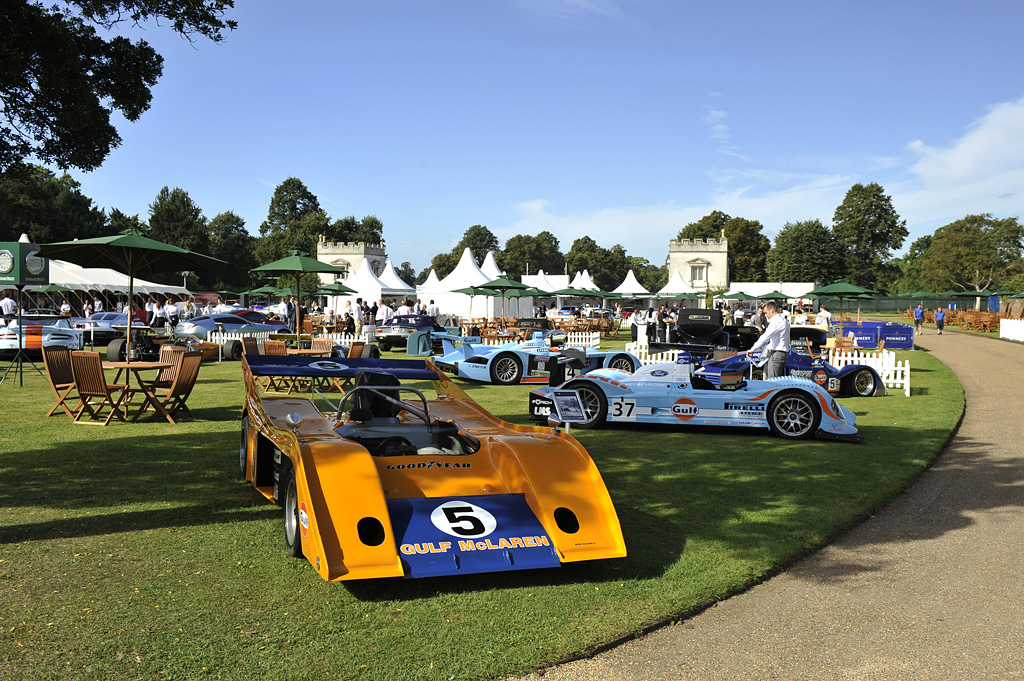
point(622, 409)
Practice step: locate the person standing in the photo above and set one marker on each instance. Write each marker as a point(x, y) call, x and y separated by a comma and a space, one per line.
point(65, 309)
point(757, 319)
point(940, 319)
point(8, 307)
point(662, 324)
point(775, 340)
point(150, 313)
point(651, 319)
point(159, 316)
point(171, 313)
point(97, 305)
point(86, 309)
point(919, 319)
point(384, 313)
point(433, 311)
point(824, 316)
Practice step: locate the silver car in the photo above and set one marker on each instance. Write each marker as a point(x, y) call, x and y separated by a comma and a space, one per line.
point(200, 327)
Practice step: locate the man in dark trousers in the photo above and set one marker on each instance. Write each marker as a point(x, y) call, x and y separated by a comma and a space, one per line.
point(775, 340)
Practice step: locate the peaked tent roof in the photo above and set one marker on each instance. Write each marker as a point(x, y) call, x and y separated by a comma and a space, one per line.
point(630, 285)
point(541, 281)
point(676, 284)
point(584, 280)
point(391, 280)
point(490, 267)
point(368, 286)
point(431, 283)
point(466, 273)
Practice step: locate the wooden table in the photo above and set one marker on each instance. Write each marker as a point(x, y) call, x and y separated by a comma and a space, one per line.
point(137, 368)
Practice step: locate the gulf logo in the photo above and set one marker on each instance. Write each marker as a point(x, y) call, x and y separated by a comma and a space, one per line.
point(820, 377)
point(685, 409)
point(303, 518)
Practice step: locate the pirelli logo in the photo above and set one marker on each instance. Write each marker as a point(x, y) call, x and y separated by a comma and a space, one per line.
point(744, 406)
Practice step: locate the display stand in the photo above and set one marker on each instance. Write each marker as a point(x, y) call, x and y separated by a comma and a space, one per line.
point(20, 358)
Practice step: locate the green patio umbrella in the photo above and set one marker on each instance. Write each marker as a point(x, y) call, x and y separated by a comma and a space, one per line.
point(129, 253)
point(774, 295)
point(738, 296)
point(503, 284)
point(229, 293)
point(839, 289)
point(337, 289)
point(267, 290)
point(473, 292)
point(298, 264)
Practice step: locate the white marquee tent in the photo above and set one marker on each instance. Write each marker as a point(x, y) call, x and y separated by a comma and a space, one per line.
point(630, 286)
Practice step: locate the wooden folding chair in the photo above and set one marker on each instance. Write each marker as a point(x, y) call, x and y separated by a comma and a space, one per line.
point(87, 368)
point(168, 353)
point(325, 346)
point(173, 399)
point(273, 347)
point(57, 360)
point(250, 346)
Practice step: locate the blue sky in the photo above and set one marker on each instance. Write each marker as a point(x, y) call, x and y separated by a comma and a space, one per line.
point(618, 120)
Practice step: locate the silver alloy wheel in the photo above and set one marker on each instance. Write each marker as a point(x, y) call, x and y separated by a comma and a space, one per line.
point(622, 363)
point(291, 516)
point(506, 369)
point(793, 416)
point(864, 383)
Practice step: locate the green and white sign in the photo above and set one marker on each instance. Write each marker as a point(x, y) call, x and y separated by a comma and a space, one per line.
point(21, 266)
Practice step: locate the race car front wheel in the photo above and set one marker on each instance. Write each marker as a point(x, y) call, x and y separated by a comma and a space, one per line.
point(861, 383)
point(622, 363)
point(506, 369)
point(595, 404)
point(292, 539)
point(793, 416)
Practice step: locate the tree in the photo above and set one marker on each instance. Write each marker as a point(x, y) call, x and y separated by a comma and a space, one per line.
point(48, 208)
point(175, 219)
point(294, 221)
point(524, 254)
point(805, 251)
point(868, 227)
point(118, 222)
point(748, 249)
point(368, 230)
point(607, 266)
point(708, 227)
point(909, 277)
point(651, 277)
point(61, 80)
point(973, 253)
point(406, 273)
point(231, 242)
point(443, 264)
point(479, 240)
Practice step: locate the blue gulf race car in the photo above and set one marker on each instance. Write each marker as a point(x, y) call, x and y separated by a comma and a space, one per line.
point(853, 380)
point(716, 394)
point(529, 361)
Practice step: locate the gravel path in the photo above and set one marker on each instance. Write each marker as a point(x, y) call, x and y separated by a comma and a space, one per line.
point(929, 588)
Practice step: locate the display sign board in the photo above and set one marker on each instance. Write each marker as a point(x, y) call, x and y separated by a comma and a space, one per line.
point(568, 406)
point(20, 266)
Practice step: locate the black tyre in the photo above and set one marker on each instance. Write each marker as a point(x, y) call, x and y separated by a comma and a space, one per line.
point(233, 350)
point(757, 373)
point(115, 350)
point(383, 347)
point(506, 369)
point(374, 352)
point(861, 383)
point(292, 528)
point(623, 363)
point(595, 404)
point(793, 416)
point(243, 449)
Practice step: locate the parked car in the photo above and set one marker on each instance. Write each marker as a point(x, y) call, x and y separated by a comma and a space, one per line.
point(528, 326)
point(199, 327)
point(38, 331)
point(99, 327)
point(397, 331)
point(389, 483)
point(258, 317)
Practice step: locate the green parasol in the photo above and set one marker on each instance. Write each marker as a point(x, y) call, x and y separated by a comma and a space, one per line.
point(298, 264)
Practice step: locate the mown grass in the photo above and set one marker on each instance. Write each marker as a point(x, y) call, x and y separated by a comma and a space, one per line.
point(135, 551)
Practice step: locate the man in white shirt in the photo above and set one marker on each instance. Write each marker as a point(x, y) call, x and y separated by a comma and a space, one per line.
point(97, 305)
point(433, 311)
point(65, 309)
point(357, 311)
point(404, 308)
point(384, 313)
point(824, 316)
point(7, 306)
point(775, 340)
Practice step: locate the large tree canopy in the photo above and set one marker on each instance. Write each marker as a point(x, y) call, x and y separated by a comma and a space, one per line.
point(175, 219)
point(525, 254)
point(60, 81)
point(607, 266)
point(868, 227)
point(805, 251)
point(748, 249)
point(48, 208)
point(708, 227)
point(973, 253)
point(231, 242)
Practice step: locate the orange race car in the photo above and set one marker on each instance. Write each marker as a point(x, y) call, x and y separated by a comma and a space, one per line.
point(388, 483)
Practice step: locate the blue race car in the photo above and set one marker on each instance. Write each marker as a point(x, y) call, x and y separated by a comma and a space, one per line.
point(716, 394)
point(526, 362)
point(854, 380)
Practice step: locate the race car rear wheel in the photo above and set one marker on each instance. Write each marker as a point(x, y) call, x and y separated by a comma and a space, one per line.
point(233, 350)
point(860, 383)
point(623, 363)
point(595, 404)
point(115, 350)
point(243, 450)
point(384, 347)
point(793, 416)
point(506, 369)
point(292, 538)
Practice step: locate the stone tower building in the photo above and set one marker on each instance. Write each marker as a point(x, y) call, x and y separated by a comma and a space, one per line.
point(703, 264)
point(349, 255)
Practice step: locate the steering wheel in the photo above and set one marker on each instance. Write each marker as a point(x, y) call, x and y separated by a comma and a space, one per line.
point(395, 446)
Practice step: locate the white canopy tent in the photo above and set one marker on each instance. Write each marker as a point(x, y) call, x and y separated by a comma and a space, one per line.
point(390, 279)
point(101, 279)
point(630, 286)
point(675, 286)
point(546, 282)
point(466, 274)
point(490, 267)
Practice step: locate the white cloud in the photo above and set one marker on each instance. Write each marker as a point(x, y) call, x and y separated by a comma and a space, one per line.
point(714, 119)
point(568, 8)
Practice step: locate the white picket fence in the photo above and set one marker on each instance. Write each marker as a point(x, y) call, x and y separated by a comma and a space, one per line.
point(894, 374)
point(222, 337)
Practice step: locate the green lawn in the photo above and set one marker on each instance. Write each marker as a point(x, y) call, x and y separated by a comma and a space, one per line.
point(135, 551)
